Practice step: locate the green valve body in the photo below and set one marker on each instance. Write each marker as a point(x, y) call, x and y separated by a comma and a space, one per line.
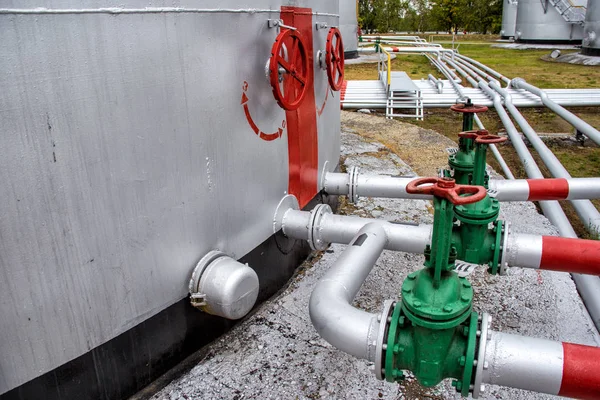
point(432, 331)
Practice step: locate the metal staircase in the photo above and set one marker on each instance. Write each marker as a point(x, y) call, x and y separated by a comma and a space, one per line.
point(572, 13)
point(404, 98)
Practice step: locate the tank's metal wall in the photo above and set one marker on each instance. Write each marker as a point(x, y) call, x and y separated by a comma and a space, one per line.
point(509, 18)
point(535, 24)
point(349, 25)
point(126, 157)
point(592, 25)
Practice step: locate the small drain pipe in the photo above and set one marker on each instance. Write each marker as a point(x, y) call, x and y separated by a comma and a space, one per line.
point(439, 85)
point(578, 123)
point(539, 365)
point(355, 185)
point(345, 327)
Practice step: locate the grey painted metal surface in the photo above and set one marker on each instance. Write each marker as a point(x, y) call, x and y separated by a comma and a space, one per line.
point(349, 24)
point(538, 20)
point(523, 362)
point(509, 18)
point(127, 156)
point(591, 29)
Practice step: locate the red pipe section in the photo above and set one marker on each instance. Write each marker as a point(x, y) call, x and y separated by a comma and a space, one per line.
point(570, 255)
point(580, 379)
point(548, 189)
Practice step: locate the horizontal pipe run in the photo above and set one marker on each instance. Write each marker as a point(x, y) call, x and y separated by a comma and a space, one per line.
point(545, 189)
point(349, 329)
point(386, 186)
point(342, 229)
point(554, 253)
point(542, 366)
point(568, 116)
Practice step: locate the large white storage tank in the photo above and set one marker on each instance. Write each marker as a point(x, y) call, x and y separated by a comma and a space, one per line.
point(349, 27)
point(137, 137)
point(538, 21)
point(509, 18)
point(591, 39)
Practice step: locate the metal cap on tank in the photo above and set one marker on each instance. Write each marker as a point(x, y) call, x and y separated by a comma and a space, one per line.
point(223, 286)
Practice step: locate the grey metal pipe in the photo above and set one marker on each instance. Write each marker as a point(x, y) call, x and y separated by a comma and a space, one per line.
point(486, 68)
point(349, 329)
point(321, 227)
point(437, 83)
point(476, 70)
point(568, 116)
point(587, 212)
point(523, 362)
point(356, 184)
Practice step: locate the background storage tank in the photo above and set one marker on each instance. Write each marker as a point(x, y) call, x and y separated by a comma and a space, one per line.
point(509, 19)
point(137, 140)
point(539, 21)
point(591, 39)
point(349, 27)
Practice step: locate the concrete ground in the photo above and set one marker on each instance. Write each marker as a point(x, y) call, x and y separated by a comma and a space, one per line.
point(276, 354)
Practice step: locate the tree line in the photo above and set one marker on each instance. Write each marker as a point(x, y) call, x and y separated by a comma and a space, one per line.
point(452, 16)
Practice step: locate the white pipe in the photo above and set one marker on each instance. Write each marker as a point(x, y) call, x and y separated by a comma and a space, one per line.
point(587, 212)
point(349, 329)
point(394, 187)
point(568, 116)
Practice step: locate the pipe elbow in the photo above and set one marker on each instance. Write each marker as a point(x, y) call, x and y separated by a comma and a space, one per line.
point(516, 82)
point(349, 329)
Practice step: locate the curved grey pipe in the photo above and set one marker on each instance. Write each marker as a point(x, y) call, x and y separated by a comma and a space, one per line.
point(578, 123)
point(347, 328)
point(587, 212)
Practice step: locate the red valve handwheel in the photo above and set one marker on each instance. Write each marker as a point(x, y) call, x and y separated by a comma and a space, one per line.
point(289, 54)
point(473, 108)
point(490, 139)
point(474, 134)
point(334, 59)
point(448, 189)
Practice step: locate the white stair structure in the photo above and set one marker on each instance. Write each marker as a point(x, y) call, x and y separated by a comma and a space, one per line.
point(572, 13)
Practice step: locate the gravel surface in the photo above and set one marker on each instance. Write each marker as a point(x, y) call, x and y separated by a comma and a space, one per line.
point(276, 353)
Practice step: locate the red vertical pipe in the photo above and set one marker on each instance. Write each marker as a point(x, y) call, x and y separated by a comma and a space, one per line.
point(570, 255)
point(581, 367)
point(303, 145)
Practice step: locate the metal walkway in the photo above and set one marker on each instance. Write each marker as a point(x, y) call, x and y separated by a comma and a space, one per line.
point(570, 12)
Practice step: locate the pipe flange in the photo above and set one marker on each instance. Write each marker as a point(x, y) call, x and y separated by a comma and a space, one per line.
point(324, 173)
point(486, 324)
point(384, 320)
point(200, 267)
point(503, 260)
point(352, 184)
point(288, 202)
point(314, 230)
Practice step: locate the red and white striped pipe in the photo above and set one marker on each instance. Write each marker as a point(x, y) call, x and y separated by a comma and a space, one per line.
point(539, 365)
point(553, 253)
point(545, 189)
point(369, 185)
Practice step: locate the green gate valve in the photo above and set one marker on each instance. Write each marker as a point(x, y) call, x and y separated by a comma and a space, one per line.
point(482, 141)
point(475, 242)
point(432, 332)
point(462, 163)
